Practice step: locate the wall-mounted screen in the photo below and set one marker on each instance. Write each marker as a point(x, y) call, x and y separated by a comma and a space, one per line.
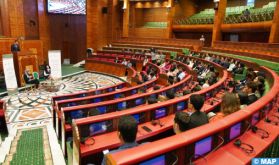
point(235, 131)
point(160, 160)
point(77, 7)
point(203, 146)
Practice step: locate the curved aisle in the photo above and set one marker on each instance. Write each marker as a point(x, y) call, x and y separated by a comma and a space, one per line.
point(34, 108)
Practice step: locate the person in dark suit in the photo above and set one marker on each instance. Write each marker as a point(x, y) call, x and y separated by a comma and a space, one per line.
point(15, 47)
point(197, 118)
point(181, 122)
point(250, 89)
point(127, 131)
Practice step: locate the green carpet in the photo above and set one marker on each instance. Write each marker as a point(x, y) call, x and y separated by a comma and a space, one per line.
point(69, 69)
point(270, 64)
point(29, 148)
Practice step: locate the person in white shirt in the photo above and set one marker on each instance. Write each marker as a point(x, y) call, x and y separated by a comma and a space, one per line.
point(181, 75)
point(205, 85)
point(232, 66)
point(191, 64)
point(202, 39)
point(124, 62)
point(145, 61)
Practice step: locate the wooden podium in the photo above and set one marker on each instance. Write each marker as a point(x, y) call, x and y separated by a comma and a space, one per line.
point(23, 60)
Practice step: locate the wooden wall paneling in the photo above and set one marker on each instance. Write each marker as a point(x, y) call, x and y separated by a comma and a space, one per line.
point(116, 19)
point(16, 17)
point(30, 11)
point(132, 16)
point(170, 12)
point(96, 24)
point(148, 33)
point(185, 8)
point(233, 3)
point(274, 33)
point(68, 33)
point(155, 15)
point(193, 28)
point(240, 27)
point(5, 18)
point(110, 20)
point(248, 36)
point(261, 3)
point(91, 20)
point(34, 46)
point(139, 20)
point(126, 18)
point(1, 29)
point(195, 35)
point(218, 20)
point(150, 4)
point(44, 31)
point(206, 4)
point(202, 4)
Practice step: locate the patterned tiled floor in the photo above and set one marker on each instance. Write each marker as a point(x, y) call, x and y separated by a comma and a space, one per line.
point(28, 109)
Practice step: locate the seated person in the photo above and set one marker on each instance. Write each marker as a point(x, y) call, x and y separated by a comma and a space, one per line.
point(250, 89)
point(196, 88)
point(151, 100)
point(170, 94)
point(124, 62)
point(127, 132)
point(181, 122)
point(239, 69)
point(197, 117)
point(47, 71)
point(29, 78)
point(181, 74)
point(117, 60)
point(260, 81)
point(243, 99)
point(186, 92)
point(230, 104)
point(15, 46)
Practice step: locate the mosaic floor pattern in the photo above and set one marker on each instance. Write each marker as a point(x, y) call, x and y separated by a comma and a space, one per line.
point(29, 109)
